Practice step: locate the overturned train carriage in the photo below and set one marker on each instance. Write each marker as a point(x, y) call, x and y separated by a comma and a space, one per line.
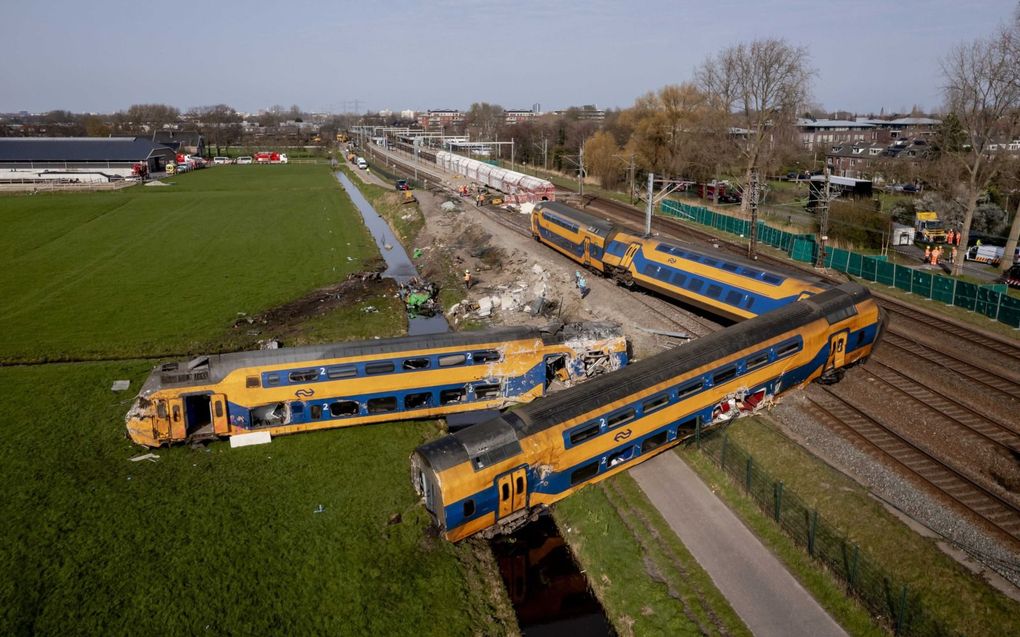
point(495, 475)
point(726, 286)
point(319, 387)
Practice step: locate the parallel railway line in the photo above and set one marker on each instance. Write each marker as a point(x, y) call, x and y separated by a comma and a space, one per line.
point(995, 512)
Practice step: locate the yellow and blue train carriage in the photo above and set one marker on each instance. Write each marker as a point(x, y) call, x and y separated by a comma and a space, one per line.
point(496, 475)
point(729, 287)
point(319, 387)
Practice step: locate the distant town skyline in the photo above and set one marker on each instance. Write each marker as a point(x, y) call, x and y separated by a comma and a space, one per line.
point(105, 56)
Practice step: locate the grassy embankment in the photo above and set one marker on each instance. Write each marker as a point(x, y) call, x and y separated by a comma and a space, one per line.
point(962, 601)
point(208, 540)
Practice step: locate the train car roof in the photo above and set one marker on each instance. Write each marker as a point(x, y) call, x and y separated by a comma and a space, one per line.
point(597, 224)
point(219, 365)
point(832, 304)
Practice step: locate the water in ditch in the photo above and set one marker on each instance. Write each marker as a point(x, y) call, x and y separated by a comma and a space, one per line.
point(549, 592)
point(399, 266)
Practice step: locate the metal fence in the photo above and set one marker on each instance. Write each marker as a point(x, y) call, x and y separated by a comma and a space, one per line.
point(888, 600)
point(989, 300)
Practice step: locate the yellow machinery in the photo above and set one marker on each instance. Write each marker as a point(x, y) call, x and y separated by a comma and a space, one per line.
point(929, 227)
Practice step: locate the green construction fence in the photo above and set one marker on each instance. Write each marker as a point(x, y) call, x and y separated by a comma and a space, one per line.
point(991, 301)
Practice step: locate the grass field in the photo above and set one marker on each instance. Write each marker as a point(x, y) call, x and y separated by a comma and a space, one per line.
point(314, 534)
point(150, 271)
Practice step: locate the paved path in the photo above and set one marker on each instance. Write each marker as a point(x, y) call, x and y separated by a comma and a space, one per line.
point(757, 585)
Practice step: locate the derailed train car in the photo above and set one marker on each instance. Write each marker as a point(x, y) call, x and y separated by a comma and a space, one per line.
point(727, 287)
point(494, 476)
point(517, 187)
point(319, 387)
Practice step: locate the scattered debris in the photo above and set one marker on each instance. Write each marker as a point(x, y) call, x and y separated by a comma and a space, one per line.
point(270, 343)
point(247, 440)
point(319, 509)
point(449, 206)
point(665, 333)
point(420, 297)
point(370, 309)
point(151, 457)
point(120, 385)
point(396, 518)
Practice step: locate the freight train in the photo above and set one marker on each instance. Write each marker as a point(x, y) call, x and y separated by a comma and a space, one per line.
point(325, 386)
point(494, 476)
point(727, 287)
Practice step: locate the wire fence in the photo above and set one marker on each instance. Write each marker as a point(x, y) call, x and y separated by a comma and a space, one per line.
point(992, 301)
point(890, 601)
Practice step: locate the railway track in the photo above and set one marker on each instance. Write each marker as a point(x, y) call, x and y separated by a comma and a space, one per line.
point(934, 406)
point(1000, 347)
point(995, 512)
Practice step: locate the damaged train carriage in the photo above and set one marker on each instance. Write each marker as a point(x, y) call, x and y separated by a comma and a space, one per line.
point(297, 389)
point(725, 285)
point(496, 475)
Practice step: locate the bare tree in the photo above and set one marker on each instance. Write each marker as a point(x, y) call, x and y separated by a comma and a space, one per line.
point(982, 93)
point(485, 119)
point(1013, 34)
point(763, 85)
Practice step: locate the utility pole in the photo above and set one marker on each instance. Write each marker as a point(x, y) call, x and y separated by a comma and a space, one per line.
point(580, 172)
point(752, 247)
point(651, 204)
point(512, 144)
point(823, 222)
point(631, 171)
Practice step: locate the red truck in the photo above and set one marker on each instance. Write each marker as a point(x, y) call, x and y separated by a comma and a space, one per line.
point(270, 157)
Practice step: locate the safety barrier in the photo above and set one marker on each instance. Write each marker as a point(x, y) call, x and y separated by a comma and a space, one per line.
point(991, 301)
point(863, 577)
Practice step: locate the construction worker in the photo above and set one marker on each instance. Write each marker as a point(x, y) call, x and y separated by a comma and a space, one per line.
point(467, 279)
point(935, 256)
point(927, 254)
point(953, 255)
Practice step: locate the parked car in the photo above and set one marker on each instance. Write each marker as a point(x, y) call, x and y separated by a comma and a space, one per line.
point(244, 160)
point(361, 163)
point(220, 160)
point(401, 184)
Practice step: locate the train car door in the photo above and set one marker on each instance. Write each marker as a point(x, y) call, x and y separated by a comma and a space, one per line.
point(629, 255)
point(161, 424)
point(837, 349)
point(177, 427)
point(513, 491)
point(218, 411)
point(587, 251)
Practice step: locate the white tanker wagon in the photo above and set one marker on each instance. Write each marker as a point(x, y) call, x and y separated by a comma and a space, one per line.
point(517, 187)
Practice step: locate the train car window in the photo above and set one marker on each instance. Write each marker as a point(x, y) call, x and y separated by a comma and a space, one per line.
point(384, 367)
point(687, 427)
point(620, 418)
point(650, 270)
point(725, 375)
point(486, 391)
point(452, 360)
point(448, 396)
point(382, 404)
point(586, 472)
point(219, 409)
point(418, 401)
point(252, 381)
point(787, 348)
point(587, 432)
point(485, 356)
point(678, 279)
point(714, 291)
point(840, 314)
point(343, 408)
point(303, 375)
point(733, 297)
point(689, 389)
point(469, 508)
point(344, 371)
point(771, 278)
point(315, 411)
point(655, 403)
point(161, 410)
point(654, 441)
point(272, 379)
point(297, 408)
point(757, 360)
point(730, 267)
point(748, 301)
point(695, 285)
point(620, 457)
point(416, 363)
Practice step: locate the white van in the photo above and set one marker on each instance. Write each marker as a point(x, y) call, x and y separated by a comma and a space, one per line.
point(244, 160)
point(362, 164)
point(217, 161)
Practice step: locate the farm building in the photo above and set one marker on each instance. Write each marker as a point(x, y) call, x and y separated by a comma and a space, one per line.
point(191, 142)
point(85, 159)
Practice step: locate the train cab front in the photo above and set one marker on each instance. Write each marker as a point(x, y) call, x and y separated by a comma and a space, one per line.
point(426, 484)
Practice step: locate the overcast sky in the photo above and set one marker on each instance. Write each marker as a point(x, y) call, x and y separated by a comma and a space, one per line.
point(104, 56)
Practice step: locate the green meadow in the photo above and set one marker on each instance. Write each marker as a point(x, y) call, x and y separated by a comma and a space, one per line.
point(313, 534)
